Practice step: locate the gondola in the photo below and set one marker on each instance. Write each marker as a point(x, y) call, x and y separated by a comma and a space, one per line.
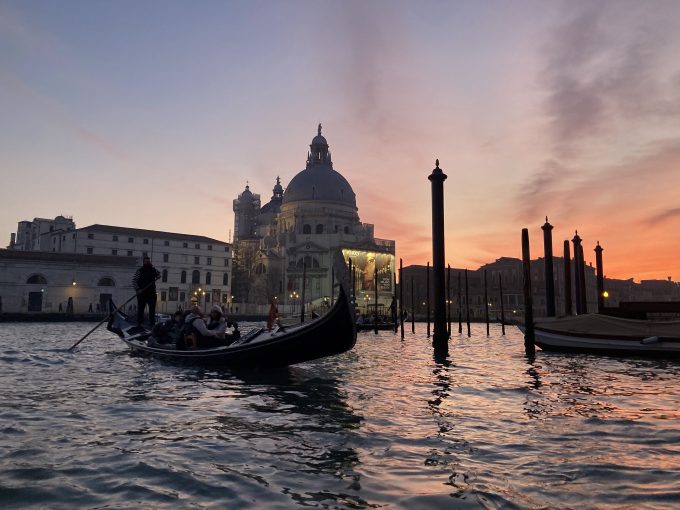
point(332, 333)
point(602, 334)
point(382, 326)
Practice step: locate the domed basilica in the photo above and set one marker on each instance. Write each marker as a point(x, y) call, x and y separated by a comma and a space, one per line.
point(300, 228)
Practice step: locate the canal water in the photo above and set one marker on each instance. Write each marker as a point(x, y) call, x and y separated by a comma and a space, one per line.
point(383, 426)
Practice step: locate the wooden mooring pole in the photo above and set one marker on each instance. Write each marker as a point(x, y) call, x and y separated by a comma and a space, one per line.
point(549, 275)
point(600, 277)
point(486, 304)
point(448, 299)
point(529, 337)
point(427, 298)
point(401, 297)
point(500, 291)
point(304, 286)
point(467, 302)
point(568, 310)
point(375, 301)
point(460, 306)
point(413, 307)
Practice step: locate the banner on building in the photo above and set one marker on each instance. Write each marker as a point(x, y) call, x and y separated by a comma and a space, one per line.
point(366, 263)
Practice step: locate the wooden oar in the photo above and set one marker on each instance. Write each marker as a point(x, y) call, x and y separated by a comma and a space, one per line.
point(109, 316)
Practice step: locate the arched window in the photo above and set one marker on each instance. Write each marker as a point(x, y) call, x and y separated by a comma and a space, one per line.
point(164, 275)
point(208, 278)
point(260, 268)
point(319, 229)
point(107, 281)
point(196, 276)
point(346, 230)
point(183, 277)
point(37, 278)
point(225, 279)
point(307, 229)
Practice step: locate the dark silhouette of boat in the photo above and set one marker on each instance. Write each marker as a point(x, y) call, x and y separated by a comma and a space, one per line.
point(602, 334)
point(332, 333)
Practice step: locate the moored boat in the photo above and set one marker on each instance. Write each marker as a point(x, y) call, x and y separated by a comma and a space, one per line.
point(594, 333)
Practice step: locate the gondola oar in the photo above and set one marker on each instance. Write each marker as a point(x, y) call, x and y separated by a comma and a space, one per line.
point(109, 316)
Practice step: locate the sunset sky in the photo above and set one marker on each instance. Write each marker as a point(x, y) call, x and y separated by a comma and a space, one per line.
point(154, 114)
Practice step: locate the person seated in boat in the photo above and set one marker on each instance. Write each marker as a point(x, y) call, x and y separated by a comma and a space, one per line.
point(170, 330)
point(195, 333)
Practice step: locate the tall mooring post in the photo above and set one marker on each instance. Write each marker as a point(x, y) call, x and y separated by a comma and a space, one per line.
point(582, 278)
point(427, 298)
point(577, 273)
point(529, 337)
point(375, 302)
point(401, 297)
point(413, 307)
point(548, 262)
point(567, 280)
point(437, 178)
point(486, 303)
point(600, 277)
point(448, 300)
point(304, 286)
point(467, 302)
point(500, 291)
point(332, 285)
point(460, 305)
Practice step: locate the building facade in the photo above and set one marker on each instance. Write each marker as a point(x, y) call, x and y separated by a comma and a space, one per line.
point(296, 233)
point(195, 269)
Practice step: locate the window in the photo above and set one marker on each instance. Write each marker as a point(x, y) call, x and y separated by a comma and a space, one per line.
point(197, 260)
point(207, 298)
point(346, 229)
point(166, 243)
point(131, 239)
point(145, 254)
point(319, 229)
point(172, 293)
point(208, 278)
point(106, 281)
point(185, 245)
point(260, 269)
point(90, 236)
point(114, 252)
point(89, 250)
point(226, 248)
point(146, 241)
point(226, 262)
point(210, 247)
point(310, 262)
point(37, 278)
point(182, 296)
point(209, 261)
point(129, 253)
point(73, 236)
point(166, 257)
point(164, 276)
point(196, 276)
point(183, 277)
point(164, 295)
point(197, 246)
point(115, 238)
point(225, 279)
point(307, 229)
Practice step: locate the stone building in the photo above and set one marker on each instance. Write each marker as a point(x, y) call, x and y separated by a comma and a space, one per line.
point(194, 269)
point(298, 231)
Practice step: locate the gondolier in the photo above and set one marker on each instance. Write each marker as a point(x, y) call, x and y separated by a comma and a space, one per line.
point(144, 283)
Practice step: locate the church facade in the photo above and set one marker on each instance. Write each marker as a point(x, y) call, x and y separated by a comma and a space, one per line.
point(296, 234)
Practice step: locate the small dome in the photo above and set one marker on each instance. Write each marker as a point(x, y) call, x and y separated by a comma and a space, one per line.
point(319, 140)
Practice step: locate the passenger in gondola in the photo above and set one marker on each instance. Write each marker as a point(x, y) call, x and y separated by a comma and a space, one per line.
point(197, 334)
point(170, 331)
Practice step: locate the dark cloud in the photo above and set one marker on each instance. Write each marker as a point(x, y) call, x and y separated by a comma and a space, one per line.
point(663, 216)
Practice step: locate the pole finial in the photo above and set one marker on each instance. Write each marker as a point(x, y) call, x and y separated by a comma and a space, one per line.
point(546, 219)
point(319, 129)
point(436, 163)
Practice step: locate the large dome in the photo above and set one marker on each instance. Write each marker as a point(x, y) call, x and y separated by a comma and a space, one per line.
point(319, 182)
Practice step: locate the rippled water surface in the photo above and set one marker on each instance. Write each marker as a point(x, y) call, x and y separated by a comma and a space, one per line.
point(383, 426)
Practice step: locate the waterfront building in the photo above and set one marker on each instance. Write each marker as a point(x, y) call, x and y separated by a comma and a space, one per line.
point(43, 281)
point(194, 269)
point(36, 235)
point(298, 231)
